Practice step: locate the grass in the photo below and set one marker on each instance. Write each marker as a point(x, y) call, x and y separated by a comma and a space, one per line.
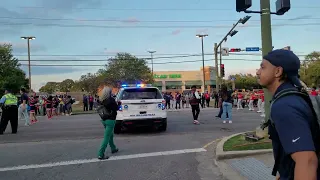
point(238, 143)
point(78, 109)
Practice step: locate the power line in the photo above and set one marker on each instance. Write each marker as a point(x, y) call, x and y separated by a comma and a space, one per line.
point(148, 58)
point(142, 21)
point(155, 9)
point(146, 27)
point(173, 62)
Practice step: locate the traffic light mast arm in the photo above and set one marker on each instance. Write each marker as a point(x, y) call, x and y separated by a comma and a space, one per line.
point(234, 26)
point(260, 12)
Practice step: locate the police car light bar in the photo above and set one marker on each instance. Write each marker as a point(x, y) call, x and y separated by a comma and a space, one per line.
point(136, 85)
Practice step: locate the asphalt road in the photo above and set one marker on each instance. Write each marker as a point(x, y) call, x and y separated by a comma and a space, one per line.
point(66, 149)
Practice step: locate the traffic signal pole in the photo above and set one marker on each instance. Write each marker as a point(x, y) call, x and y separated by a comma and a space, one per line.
point(215, 48)
point(266, 38)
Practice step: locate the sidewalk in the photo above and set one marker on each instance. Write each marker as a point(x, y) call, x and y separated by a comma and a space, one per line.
point(256, 167)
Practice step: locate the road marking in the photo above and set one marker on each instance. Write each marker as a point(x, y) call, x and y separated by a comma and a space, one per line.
point(112, 158)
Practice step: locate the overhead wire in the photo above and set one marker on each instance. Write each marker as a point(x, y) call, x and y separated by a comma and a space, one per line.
point(143, 21)
point(152, 9)
point(140, 26)
point(155, 63)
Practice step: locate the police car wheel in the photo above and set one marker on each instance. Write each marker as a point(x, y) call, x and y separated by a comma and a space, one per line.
point(163, 127)
point(117, 128)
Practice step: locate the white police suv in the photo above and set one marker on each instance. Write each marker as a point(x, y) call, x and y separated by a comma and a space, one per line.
point(140, 105)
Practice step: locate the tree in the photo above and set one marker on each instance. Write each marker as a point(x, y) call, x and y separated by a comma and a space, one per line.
point(310, 70)
point(245, 81)
point(12, 77)
point(89, 83)
point(126, 68)
point(66, 85)
point(50, 87)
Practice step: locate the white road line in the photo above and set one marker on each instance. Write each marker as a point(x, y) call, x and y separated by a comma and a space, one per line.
point(112, 158)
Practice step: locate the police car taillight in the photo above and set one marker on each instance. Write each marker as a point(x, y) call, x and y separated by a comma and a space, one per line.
point(120, 105)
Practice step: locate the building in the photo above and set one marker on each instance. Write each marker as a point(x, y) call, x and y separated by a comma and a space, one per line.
point(183, 80)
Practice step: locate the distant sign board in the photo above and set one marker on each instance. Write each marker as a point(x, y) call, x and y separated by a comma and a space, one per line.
point(252, 49)
point(225, 51)
point(165, 76)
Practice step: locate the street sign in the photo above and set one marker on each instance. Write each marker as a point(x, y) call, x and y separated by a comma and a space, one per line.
point(252, 49)
point(225, 51)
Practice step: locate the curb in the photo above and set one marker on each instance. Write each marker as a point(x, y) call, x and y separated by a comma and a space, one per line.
point(220, 154)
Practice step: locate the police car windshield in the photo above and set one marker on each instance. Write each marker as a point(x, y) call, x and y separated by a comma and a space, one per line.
point(141, 93)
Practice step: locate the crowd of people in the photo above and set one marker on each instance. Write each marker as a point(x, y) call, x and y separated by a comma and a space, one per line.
point(31, 105)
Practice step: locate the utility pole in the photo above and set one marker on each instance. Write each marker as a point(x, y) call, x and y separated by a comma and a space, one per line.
point(203, 72)
point(266, 39)
point(282, 6)
point(217, 66)
point(28, 38)
point(151, 53)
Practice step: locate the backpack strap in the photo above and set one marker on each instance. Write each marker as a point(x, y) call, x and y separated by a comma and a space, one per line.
point(285, 92)
point(314, 127)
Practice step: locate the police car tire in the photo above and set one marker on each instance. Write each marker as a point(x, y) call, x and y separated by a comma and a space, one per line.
point(163, 127)
point(117, 129)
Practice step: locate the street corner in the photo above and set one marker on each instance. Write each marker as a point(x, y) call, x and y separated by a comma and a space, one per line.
point(221, 154)
point(244, 164)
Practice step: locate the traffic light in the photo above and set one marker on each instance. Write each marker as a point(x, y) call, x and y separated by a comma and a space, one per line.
point(282, 6)
point(222, 70)
point(243, 5)
point(235, 50)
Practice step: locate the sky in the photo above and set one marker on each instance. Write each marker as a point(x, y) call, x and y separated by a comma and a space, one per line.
point(69, 32)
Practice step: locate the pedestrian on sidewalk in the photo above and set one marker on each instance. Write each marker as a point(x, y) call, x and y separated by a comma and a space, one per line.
point(293, 125)
point(108, 121)
point(195, 104)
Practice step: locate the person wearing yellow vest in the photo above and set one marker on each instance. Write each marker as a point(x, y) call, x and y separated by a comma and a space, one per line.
point(9, 105)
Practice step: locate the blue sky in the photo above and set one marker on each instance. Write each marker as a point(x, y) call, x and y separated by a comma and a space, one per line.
point(98, 29)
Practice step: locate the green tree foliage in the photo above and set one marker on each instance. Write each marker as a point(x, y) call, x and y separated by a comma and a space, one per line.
point(123, 67)
point(126, 68)
point(50, 87)
point(66, 85)
point(244, 81)
point(12, 77)
point(310, 69)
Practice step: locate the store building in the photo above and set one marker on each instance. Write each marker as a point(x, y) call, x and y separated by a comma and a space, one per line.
point(172, 81)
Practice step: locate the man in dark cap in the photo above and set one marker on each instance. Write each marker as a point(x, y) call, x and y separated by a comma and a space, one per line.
point(293, 144)
point(9, 105)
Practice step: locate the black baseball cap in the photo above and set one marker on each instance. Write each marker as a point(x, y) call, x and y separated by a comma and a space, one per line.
point(289, 62)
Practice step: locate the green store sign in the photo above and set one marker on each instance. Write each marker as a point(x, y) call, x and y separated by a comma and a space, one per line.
point(165, 76)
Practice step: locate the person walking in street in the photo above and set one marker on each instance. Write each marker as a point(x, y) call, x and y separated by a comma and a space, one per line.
point(178, 100)
point(293, 124)
point(108, 121)
point(9, 105)
point(23, 110)
point(195, 104)
point(85, 102)
point(226, 105)
point(240, 99)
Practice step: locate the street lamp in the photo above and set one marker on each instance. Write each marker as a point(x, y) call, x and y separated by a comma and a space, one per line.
point(28, 38)
point(231, 33)
point(151, 53)
point(204, 78)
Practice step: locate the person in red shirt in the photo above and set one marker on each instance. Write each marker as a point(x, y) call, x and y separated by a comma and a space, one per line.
point(260, 92)
point(314, 92)
point(262, 105)
point(252, 97)
point(240, 98)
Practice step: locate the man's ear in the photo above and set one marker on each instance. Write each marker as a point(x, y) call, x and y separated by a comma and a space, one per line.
point(278, 72)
